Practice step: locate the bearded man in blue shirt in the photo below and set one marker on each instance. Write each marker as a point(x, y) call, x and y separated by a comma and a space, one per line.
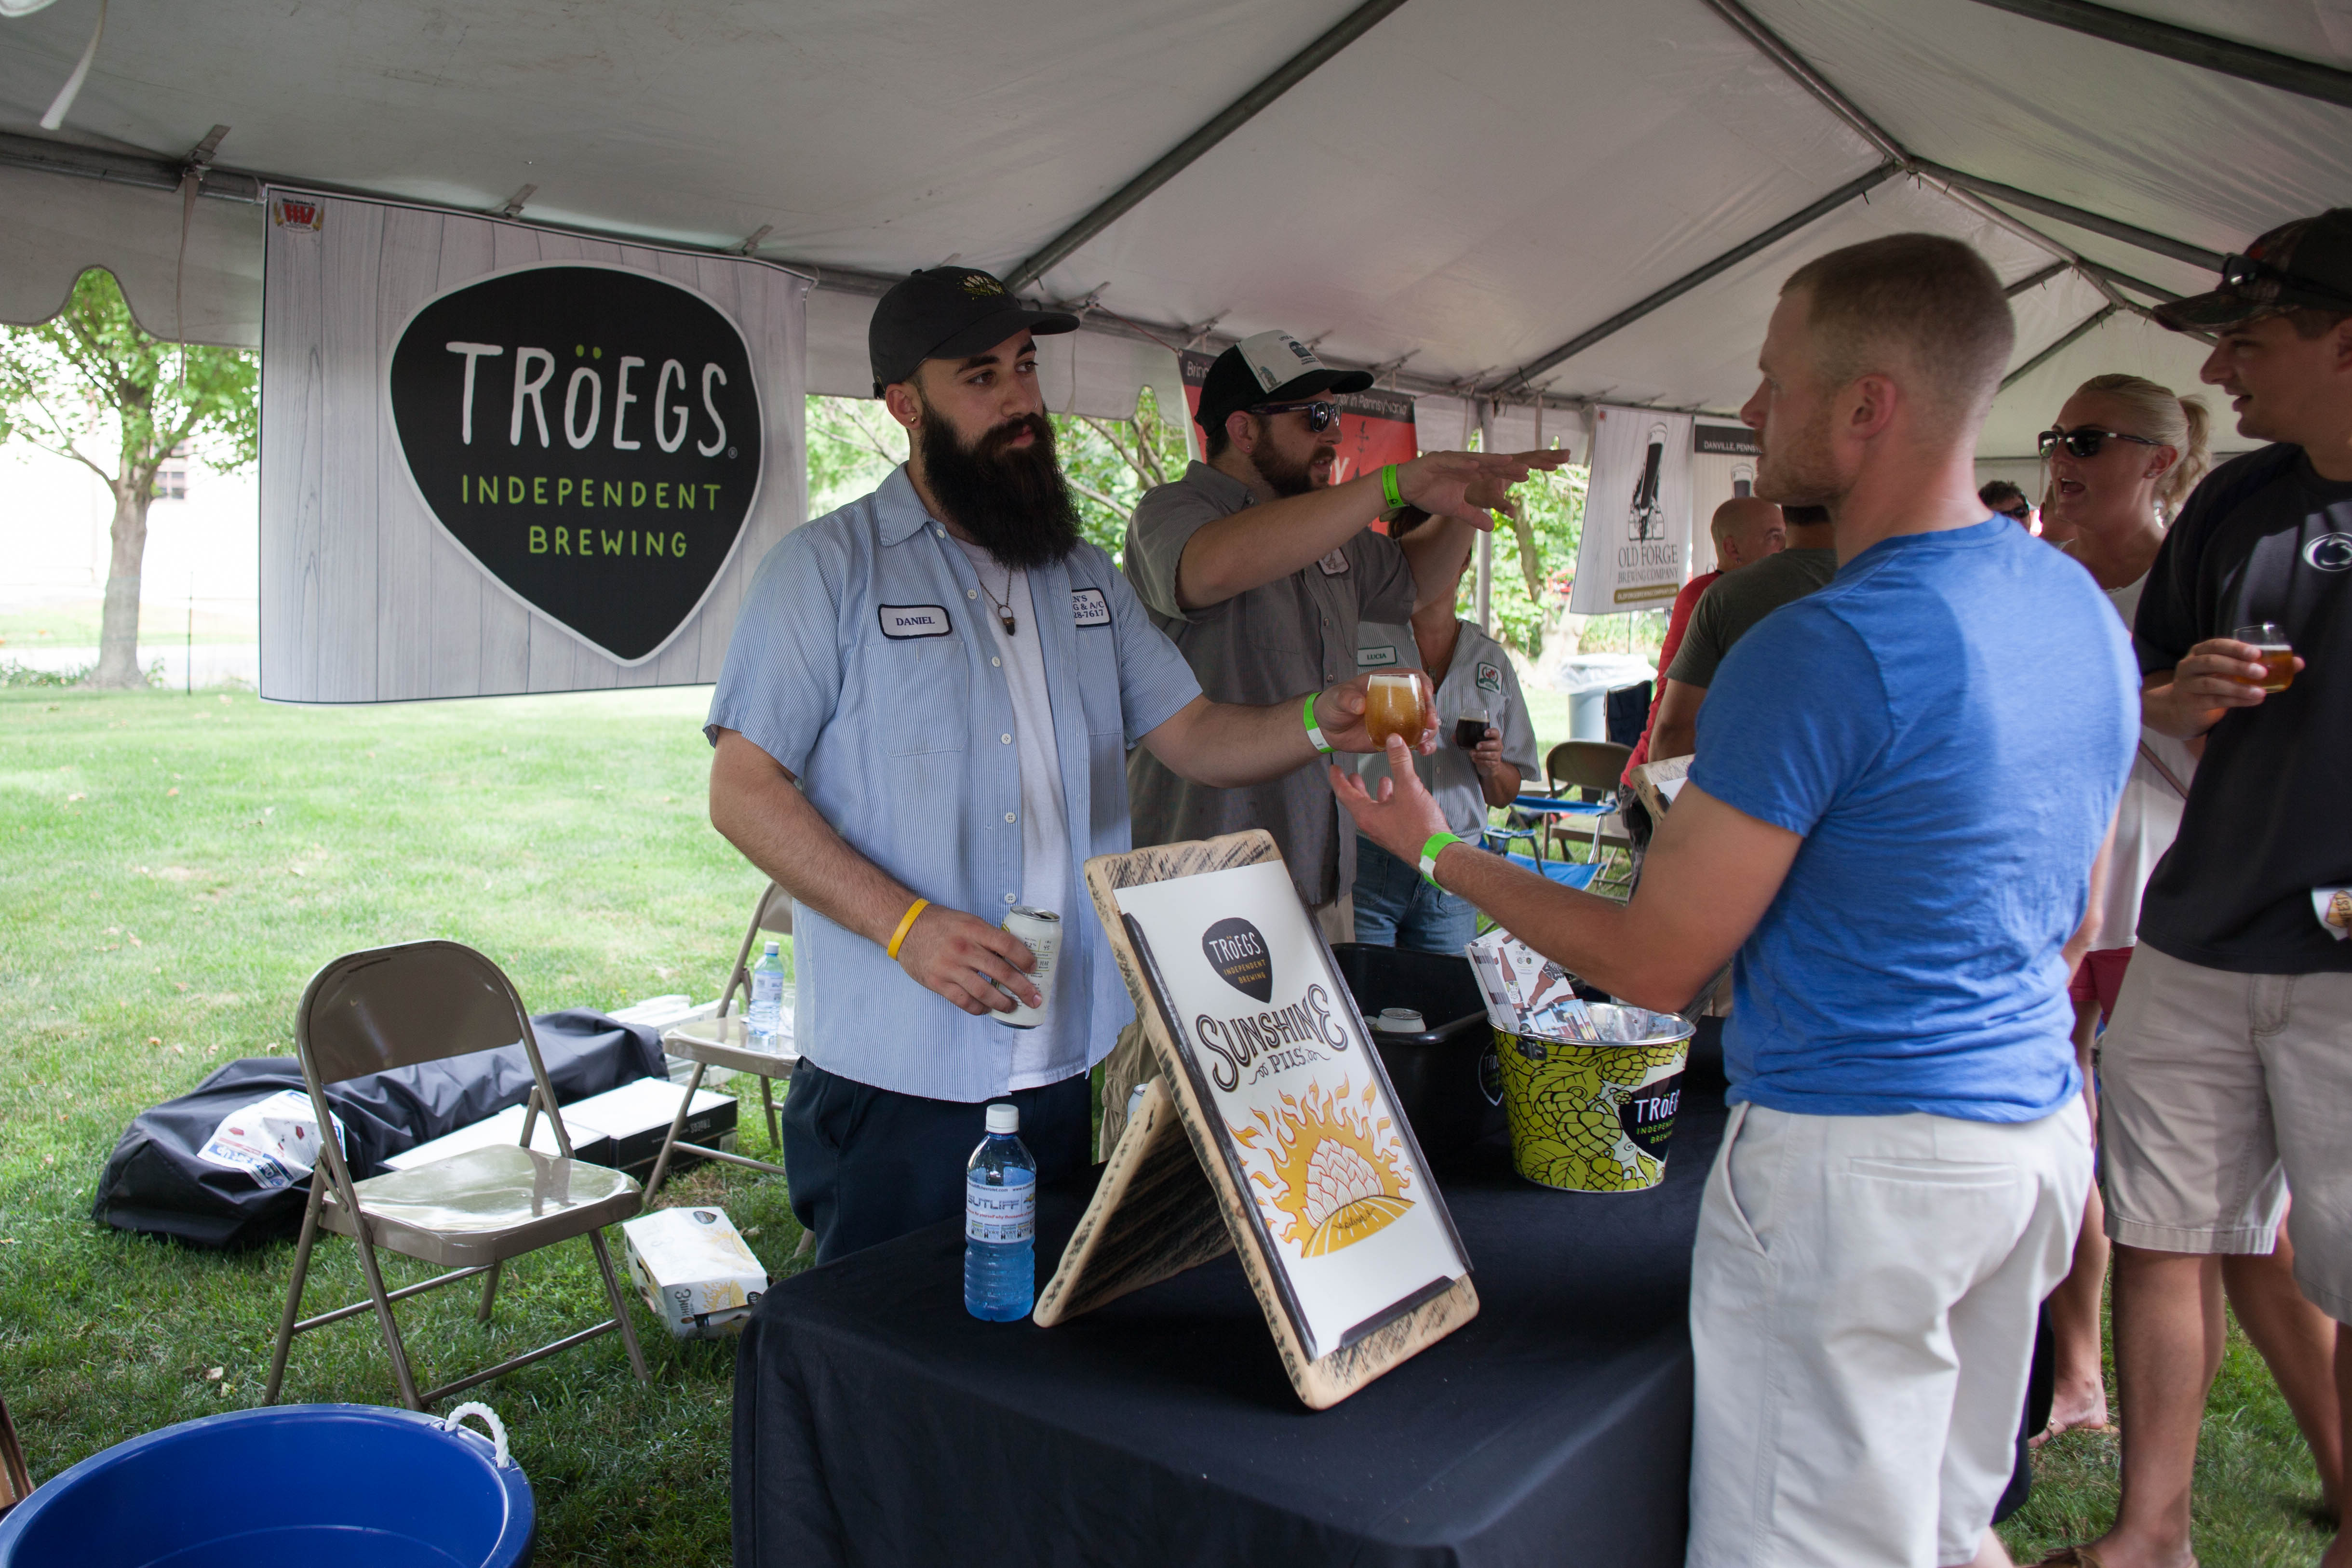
point(1902, 783)
point(923, 722)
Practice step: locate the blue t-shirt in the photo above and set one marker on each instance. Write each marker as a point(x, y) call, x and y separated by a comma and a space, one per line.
point(1948, 723)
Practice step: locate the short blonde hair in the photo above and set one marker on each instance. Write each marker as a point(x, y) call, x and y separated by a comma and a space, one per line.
point(2161, 414)
point(1916, 302)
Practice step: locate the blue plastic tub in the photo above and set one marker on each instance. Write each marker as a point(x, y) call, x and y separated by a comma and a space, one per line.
point(353, 1485)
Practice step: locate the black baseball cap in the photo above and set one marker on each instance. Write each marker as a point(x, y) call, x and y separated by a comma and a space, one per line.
point(948, 313)
point(1268, 367)
point(2306, 263)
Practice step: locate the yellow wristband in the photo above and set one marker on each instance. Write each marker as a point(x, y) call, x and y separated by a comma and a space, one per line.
point(907, 924)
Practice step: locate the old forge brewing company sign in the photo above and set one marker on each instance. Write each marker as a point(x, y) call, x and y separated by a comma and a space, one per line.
point(590, 434)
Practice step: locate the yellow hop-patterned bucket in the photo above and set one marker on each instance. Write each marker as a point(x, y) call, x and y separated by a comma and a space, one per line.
point(1596, 1118)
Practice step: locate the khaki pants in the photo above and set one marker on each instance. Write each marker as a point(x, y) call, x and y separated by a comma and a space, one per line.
point(1129, 1062)
point(1863, 1293)
point(2219, 1092)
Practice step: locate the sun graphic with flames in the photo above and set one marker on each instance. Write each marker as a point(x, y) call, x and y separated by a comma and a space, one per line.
point(1334, 1169)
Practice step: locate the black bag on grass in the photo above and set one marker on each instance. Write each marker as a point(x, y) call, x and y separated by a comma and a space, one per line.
point(159, 1184)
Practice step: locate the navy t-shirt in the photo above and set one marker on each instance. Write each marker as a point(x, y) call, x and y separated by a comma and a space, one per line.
point(1949, 724)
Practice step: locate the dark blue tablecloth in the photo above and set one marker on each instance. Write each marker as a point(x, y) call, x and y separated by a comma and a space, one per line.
point(875, 1423)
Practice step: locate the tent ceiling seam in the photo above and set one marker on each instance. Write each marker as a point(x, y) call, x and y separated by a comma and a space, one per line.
point(2082, 218)
point(2227, 56)
point(1522, 377)
point(1182, 156)
point(2081, 328)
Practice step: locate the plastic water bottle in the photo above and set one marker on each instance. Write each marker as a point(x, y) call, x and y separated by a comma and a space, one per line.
point(766, 1019)
point(1000, 1222)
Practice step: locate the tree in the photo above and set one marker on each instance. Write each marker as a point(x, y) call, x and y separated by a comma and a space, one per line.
point(91, 373)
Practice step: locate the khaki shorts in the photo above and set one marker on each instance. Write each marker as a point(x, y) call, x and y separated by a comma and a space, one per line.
point(2218, 1089)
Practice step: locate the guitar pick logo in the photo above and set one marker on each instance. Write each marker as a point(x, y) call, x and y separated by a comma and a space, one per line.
point(1237, 951)
point(591, 435)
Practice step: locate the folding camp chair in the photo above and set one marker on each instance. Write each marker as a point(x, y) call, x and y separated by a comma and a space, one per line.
point(427, 1001)
point(722, 1040)
point(1590, 770)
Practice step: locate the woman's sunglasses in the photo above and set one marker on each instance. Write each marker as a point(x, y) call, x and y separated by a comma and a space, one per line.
point(1320, 412)
point(2085, 441)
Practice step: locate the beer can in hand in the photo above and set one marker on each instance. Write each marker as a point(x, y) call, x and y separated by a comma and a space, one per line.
point(1040, 931)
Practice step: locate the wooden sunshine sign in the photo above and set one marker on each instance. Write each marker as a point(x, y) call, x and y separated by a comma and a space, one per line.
point(1271, 1127)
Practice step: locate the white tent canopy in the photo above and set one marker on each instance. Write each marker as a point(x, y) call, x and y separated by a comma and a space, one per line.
point(1450, 190)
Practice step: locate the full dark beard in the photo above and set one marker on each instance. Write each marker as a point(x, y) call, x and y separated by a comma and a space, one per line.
point(1012, 500)
point(1284, 477)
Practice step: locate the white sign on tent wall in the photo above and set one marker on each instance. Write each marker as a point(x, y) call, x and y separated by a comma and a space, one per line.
point(1723, 465)
point(496, 458)
point(1635, 552)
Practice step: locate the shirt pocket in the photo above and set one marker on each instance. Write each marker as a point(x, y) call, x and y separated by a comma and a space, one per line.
point(920, 694)
point(1098, 692)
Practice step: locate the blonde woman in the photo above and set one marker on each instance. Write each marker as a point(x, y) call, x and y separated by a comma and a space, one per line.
point(2122, 456)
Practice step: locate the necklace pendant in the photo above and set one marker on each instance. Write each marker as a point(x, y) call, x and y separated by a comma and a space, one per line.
point(1006, 617)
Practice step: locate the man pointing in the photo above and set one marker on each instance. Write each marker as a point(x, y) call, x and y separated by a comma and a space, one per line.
point(923, 721)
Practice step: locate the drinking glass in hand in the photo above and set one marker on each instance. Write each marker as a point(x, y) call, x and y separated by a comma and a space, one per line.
point(2277, 655)
point(1393, 706)
point(1470, 728)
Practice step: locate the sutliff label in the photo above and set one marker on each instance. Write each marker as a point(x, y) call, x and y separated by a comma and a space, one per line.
point(591, 435)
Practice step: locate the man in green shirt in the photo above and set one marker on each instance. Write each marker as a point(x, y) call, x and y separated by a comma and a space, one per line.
point(1736, 603)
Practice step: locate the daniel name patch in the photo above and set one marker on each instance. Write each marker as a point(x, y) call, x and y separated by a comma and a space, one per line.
point(1089, 607)
point(913, 619)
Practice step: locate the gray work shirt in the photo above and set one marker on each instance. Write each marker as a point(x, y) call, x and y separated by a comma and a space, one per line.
point(1481, 676)
point(862, 663)
point(1282, 639)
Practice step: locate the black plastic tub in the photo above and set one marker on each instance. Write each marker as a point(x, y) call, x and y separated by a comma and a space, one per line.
point(1446, 1080)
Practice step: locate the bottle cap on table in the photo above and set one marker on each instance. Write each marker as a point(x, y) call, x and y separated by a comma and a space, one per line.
point(1399, 1020)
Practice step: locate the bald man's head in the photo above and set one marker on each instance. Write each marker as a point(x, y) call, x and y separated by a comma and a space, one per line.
point(1746, 529)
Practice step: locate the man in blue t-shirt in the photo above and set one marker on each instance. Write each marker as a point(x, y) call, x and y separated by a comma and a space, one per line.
point(1903, 782)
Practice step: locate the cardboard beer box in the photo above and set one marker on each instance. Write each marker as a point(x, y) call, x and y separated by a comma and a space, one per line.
point(694, 1271)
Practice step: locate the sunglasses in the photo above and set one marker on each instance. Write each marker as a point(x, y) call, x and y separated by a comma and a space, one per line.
point(2243, 272)
point(2022, 512)
point(2085, 441)
point(1321, 412)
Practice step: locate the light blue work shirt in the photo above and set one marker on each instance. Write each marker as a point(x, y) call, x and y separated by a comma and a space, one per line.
point(859, 662)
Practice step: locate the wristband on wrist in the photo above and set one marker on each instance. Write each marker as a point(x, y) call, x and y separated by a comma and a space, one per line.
point(905, 924)
point(1389, 491)
point(1429, 854)
point(1314, 734)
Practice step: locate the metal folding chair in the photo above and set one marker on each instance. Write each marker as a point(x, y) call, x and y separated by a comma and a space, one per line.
point(1593, 768)
point(722, 1041)
point(427, 1001)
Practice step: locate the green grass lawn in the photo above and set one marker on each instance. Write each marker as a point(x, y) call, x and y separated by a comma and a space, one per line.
point(172, 869)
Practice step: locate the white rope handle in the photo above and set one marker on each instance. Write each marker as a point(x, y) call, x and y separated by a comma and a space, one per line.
point(489, 1418)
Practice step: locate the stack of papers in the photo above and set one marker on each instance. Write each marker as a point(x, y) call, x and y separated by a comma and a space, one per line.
point(1526, 993)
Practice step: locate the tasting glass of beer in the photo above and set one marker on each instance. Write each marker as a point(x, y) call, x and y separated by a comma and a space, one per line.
point(2277, 653)
point(1396, 703)
point(1470, 727)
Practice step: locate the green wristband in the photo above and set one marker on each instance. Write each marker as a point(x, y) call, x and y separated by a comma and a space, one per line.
point(1389, 491)
point(1314, 734)
point(1429, 854)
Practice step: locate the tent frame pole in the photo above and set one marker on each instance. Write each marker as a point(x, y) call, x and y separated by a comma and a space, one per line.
point(2081, 329)
point(2113, 228)
point(2310, 79)
point(1526, 373)
point(1182, 156)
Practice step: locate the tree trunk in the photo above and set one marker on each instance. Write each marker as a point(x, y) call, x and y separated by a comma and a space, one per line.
point(118, 636)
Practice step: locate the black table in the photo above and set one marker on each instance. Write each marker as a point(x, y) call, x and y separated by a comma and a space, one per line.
point(877, 1423)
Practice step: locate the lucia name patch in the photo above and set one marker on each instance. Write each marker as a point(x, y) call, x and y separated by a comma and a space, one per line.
point(913, 619)
point(1089, 607)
